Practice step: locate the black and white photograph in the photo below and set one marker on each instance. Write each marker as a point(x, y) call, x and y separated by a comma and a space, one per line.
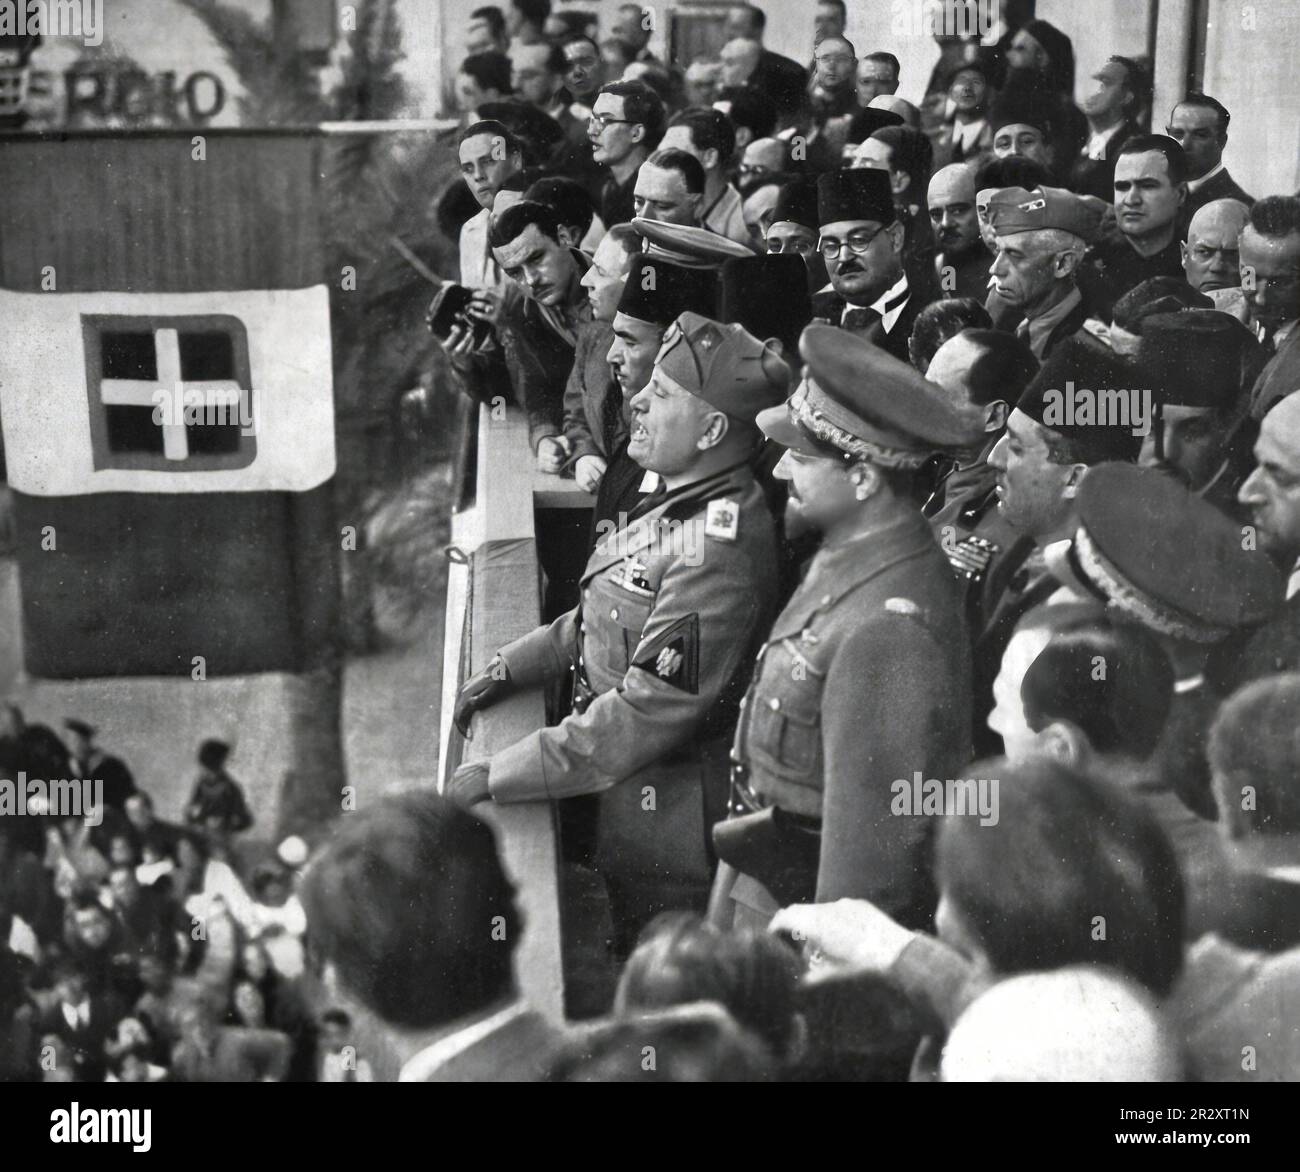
point(565, 541)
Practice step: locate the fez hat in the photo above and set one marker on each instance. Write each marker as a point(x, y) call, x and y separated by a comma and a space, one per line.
point(859, 194)
point(1193, 358)
point(797, 203)
point(1165, 557)
point(1090, 366)
point(1156, 295)
point(867, 121)
point(768, 295)
point(657, 292)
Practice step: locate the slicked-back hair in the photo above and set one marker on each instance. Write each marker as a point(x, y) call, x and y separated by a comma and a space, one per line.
point(640, 104)
point(1276, 215)
point(493, 17)
point(514, 221)
point(533, 11)
point(491, 70)
point(403, 901)
point(1175, 156)
point(627, 236)
point(910, 151)
point(568, 197)
point(1067, 849)
point(882, 58)
point(1013, 171)
point(494, 128)
point(686, 165)
point(941, 320)
point(1208, 103)
point(710, 130)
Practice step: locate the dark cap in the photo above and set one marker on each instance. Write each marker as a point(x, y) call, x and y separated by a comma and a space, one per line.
point(797, 203)
point(213, 754)
point(657, 292)
point(1066, 396)
point(860, 194)
point(867, 121)
point(868, 404)
point(686, 244)
point(1193, 358)
point(724, 365)
point(1031, 106)
point(1156, 295)
point(1165, 557)
point(1013, 209)
point(768, 295)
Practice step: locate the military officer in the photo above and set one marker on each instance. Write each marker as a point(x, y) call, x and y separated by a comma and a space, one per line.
point(864, 679)
point(674, 604)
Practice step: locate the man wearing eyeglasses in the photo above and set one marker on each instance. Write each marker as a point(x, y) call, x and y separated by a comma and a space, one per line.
point(625, 125)
point(861, 239)
point(793, 228)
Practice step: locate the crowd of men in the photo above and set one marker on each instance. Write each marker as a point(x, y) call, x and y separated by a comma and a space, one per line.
point(134, 949)
point(939, 617)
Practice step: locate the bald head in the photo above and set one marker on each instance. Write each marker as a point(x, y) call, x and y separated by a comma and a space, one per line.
point(952, 209)
point(910, 115)
point(1210, 257)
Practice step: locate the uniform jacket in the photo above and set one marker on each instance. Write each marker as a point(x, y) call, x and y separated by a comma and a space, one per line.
point(1113, 266)
point(673, 607)
point(1067, 327)
point(588, 394)
point(863, 681)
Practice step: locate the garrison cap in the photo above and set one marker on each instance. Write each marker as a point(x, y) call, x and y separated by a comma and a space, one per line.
point(859, 194)
point(687, 245)
point(656, 291)
point(1092, 368)
point(797, 203)
point(865, 402)
point(1193, 358)
point(725, 365)
point(1013, 209)
point(1154, 550)
point(768, 295)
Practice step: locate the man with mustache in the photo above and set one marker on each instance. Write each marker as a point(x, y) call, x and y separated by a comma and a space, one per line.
point(674, 603)
point(864, 675)
point(1150, 190)
point(961, 264)
point(862, 241)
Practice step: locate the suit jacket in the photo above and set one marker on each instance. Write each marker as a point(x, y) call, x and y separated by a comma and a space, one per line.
point(592, 394)
point(1097, 176)
point(1280, 376)
point(86, 1041)
point(863, 680)
point(1222, 186)
point(673, 607)
point(828, 307)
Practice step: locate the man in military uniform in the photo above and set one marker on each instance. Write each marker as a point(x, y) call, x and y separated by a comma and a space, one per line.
point(674, 604)
point(864, 678)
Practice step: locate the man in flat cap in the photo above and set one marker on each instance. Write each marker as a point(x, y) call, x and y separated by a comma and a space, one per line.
point(654, 295)
point(675, 601)
point(88, 761)
point(863, 678)
point(1041, 240)
point(1061, 426)
point(862, 240)
point(794, 227)
point(1150, 190)
point(1202, 431)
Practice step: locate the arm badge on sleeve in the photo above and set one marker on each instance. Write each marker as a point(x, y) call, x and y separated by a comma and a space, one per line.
point(722, 519)
point(673, 655)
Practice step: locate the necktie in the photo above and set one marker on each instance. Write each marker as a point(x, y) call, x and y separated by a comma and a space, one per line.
point(858, 319)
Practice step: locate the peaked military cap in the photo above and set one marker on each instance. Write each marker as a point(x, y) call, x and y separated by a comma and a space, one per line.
point(686, 244)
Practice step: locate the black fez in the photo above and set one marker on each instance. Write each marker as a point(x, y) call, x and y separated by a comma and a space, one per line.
point(859, 194)
point(768, 295)
point(1193, 357)
point(1091, 367)
point(1156, 295)
point(797, 203)
point(867, 121)
point(1030, 105)
point(658, 292)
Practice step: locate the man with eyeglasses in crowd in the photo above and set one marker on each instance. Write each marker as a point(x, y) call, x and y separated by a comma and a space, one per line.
point(625, 125)
point(861, 239)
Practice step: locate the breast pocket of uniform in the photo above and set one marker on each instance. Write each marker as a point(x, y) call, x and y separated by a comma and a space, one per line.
point(627, 617)
point(785, 724)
